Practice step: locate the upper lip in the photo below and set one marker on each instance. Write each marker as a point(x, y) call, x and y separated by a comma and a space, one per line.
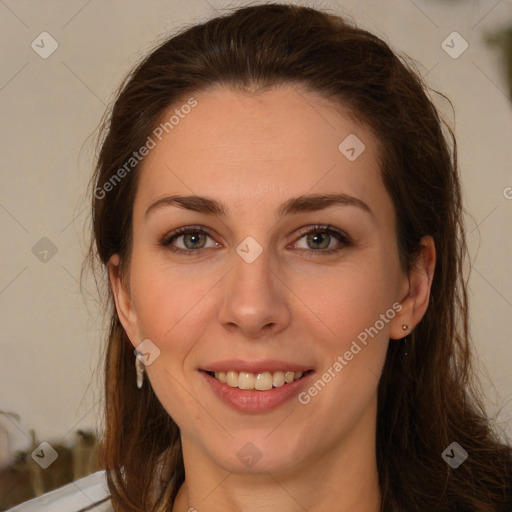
point(267, 365)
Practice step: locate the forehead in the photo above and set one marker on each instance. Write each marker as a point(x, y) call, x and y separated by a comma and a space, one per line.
point(257, 149)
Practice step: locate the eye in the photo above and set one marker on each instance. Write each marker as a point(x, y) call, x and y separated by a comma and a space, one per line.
point(194, 237)
point(320, 236)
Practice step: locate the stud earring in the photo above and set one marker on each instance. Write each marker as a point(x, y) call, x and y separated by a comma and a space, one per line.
point(405, 327)
point(139, 370)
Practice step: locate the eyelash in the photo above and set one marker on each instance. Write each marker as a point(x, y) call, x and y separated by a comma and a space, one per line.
point(170, 237)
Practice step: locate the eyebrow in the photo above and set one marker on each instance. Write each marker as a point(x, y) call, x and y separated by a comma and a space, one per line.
point(295, 205)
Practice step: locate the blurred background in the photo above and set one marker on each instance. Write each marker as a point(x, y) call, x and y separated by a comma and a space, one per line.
point(62, 62)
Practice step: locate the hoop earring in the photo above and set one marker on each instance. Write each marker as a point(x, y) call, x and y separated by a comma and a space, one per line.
point(139, 370)
point(405, 327)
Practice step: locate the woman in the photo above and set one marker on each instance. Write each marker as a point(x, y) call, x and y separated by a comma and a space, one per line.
point(279, 212)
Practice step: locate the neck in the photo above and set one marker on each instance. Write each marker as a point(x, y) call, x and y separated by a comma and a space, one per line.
point(343, 478)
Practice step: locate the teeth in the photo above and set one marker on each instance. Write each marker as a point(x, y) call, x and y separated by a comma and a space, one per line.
point(246, 380)
point(288, 377)
point(262, 381)
point(232, 379)
point(222, 377)
point(278, 379)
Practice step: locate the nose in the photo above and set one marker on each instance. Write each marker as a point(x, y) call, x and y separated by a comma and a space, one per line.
point(255, 298)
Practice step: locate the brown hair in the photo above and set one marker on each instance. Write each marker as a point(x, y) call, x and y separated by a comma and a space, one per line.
point(426, 400)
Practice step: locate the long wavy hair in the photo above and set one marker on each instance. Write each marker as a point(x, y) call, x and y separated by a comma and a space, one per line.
point(427, 399)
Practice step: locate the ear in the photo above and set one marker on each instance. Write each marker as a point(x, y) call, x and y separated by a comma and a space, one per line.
point(417, 291)
point(124, 306)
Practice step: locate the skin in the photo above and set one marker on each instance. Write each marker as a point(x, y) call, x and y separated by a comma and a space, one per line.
point(254, 151)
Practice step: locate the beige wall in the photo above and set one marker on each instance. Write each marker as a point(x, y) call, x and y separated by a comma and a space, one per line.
point(50, 341)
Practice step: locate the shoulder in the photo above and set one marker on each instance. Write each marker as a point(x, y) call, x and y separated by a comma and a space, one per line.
point(89, 493)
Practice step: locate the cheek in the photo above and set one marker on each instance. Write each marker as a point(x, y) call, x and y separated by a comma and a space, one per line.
point(168, 301)
point(170, 305)
point(352, 339)
point(353, 309)
point(349, 298)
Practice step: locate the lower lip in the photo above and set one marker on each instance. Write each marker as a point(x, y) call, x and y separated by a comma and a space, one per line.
point(256, 401)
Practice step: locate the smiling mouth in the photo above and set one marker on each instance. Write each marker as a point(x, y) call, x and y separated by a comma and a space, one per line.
point(263, 381)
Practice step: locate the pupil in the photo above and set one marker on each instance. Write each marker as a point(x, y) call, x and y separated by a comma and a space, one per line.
point(315, 236)
point(192, 236)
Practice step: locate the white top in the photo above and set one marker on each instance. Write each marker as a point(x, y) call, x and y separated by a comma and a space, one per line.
point(89, 493)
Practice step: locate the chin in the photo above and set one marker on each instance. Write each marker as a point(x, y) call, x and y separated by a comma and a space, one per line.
point(258, 453)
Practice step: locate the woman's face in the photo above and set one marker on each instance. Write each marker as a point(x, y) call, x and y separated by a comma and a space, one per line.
point(259, 290)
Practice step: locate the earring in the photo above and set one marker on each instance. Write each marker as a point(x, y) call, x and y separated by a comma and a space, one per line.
point(405, 328)
point(139, 370)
